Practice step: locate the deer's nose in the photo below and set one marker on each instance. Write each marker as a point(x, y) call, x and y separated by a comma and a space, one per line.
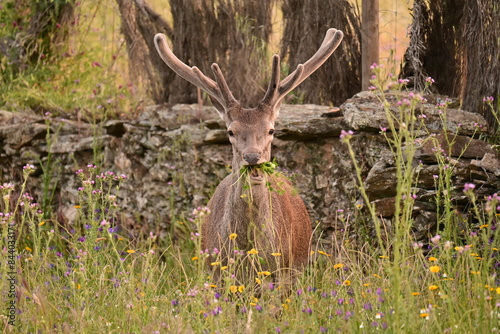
point(251, 158)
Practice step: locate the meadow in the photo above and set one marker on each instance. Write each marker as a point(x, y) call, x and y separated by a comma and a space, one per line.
point(91, 277)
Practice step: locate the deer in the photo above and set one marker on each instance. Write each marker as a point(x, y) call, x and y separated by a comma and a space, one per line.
point(251, 210)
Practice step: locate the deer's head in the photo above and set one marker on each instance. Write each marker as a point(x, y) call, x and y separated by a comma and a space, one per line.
point(250, 130)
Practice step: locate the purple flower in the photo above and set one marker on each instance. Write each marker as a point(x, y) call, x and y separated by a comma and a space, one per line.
point(469, 186)
point(307, 310)
point(258, 308)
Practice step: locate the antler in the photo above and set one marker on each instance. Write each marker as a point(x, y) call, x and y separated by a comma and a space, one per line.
point(277, 90)
point(217, 89)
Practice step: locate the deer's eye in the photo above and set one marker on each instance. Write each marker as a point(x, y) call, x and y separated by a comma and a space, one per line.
point(230, 133)
point(271, 132)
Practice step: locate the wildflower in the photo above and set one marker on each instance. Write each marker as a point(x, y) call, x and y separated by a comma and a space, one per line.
point(233, 288)
point(432, 259)
point(233, 236)
point(28, 249)
point(435, 239)
point(311, 253)
point(241, 288)
point(383, 257)
point(258, 308)
point(498, 291)
point(130, 251)
point(415, 293)
point(323, 253)
point(223, 268)
point(475, 272)
point(338, 266)
point(346, 282)
point(253, 251)
point(257, 280)
point(276, 254)
point(433, 287)
point(469, 187)
point(194, 258)
point(346, 134)
point(429, 80)
point(424, 315)
point(214, 263)
point(41, 223)
point(264, 273)
point(434, 269)
point(488, 99)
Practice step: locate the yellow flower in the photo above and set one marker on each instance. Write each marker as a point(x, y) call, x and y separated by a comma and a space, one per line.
point(432, 259)
point(214, 263)
point(434, 269)
point(241, 288)
point(483, 226)
point(475, 272)
point(78, 206)
point(130, 251)
point(28, 249)
point(383, 257)
point(194, 258)
point(78, 286)
point(323, 253)
point(265, 273)
point(276, 254)
point(258, 281)
point(498, 291)
point(41, 223)
point(459, 248)
point(424, 315)
point(338, 266)
point(253, 251)
point(415, 293)
point(233, 236)
point(433, 287)
point(233, 288)
point(223, 268)
point(347, 282)
point(213, 285)
point(377, 276)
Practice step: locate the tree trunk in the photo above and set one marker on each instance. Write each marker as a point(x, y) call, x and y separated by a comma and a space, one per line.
point(457, 44)
point(306, 23)
point(369, 40)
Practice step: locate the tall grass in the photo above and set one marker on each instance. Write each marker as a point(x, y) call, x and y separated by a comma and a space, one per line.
point(91, 277)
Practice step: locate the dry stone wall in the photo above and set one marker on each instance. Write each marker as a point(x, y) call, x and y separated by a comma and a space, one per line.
point(175, 156)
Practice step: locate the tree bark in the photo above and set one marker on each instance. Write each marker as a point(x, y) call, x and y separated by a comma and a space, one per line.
point(369, 40)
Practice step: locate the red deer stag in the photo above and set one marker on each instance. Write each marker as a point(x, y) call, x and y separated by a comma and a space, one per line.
point(255, 209)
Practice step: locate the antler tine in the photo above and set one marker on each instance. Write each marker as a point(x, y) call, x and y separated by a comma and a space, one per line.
point(274, 82)
point(224, 88)
point(191, 74)
point(331, 41)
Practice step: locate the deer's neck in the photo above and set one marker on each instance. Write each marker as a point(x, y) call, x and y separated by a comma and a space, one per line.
point(251, 209)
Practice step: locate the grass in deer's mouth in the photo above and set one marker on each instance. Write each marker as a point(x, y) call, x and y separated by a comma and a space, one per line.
point(268, 167)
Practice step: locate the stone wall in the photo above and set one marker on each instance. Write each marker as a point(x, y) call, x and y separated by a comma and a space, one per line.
point(174, 157)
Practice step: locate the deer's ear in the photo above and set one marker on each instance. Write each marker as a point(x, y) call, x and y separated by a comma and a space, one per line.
point(220, 109)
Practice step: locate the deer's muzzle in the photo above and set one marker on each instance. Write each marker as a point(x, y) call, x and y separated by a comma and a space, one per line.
point(251, 158)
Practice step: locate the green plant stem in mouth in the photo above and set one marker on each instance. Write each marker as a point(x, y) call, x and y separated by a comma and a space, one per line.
point(266, 168)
